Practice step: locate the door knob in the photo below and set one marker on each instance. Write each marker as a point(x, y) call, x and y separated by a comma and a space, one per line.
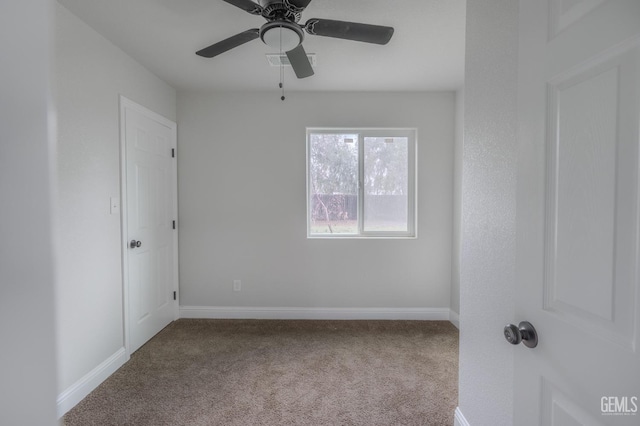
point(134, 243)
point(524, 332)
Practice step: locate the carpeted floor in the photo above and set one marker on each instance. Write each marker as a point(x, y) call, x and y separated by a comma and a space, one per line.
point(251, 372)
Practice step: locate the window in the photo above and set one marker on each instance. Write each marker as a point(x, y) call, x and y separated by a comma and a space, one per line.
point(361, 182)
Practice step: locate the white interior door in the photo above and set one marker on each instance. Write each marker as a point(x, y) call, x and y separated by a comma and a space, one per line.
point(149, 142)
point(578, 212)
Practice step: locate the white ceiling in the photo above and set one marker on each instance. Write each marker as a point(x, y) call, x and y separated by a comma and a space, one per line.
point(425, 53)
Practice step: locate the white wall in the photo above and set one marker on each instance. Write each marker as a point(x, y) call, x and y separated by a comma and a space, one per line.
point(27, 331)
point(457, 204)
point(91, 73)
point(488, 212)
point(242, 200)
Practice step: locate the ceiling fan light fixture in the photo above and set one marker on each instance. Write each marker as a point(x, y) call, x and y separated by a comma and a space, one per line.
point(281, 36)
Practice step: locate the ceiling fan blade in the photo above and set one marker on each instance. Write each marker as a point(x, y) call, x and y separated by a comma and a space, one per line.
point(349, 30)
point(230, 43)
point(297, 5)
point(300, 62)
point(247, 5)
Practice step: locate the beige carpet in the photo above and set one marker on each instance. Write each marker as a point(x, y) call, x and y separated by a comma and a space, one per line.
point(250, 372)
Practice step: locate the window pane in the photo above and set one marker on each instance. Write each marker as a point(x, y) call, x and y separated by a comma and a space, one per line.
point(333, 186)
point(386, 184)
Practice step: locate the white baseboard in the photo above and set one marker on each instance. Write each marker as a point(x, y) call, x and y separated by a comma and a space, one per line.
point(222, 312)
point(75, 393)
point(459, 419)
point(454, 317)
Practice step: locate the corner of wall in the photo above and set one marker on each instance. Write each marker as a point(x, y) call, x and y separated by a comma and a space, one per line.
point(454, 318)
point(457, 200)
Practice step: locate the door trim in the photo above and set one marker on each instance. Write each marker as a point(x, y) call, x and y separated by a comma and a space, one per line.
point(126, 103)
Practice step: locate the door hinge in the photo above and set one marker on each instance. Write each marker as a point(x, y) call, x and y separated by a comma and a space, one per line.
point(173, 153)
point(175, 295)
point(174, 224)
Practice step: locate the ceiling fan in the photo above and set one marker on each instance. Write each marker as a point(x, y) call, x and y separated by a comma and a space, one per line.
point(282, 31)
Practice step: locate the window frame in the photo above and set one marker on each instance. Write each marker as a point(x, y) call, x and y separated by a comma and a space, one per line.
point(412, 182)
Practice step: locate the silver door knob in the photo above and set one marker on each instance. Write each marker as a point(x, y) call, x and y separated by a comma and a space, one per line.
point(524, 332)
point(134, 243)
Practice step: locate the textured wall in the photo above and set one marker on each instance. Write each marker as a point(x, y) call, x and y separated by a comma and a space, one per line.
point(90, 75)
point(488, 212)
point(236, 148)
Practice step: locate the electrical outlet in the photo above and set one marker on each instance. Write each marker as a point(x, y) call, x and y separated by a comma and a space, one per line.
point(237, 285)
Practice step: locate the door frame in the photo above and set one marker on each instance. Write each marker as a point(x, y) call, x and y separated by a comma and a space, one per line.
point(126, 103)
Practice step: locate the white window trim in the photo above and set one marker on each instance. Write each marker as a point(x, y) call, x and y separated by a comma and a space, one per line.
point(362, 132)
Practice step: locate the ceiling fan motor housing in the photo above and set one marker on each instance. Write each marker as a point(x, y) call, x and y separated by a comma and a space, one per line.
point(280, 10)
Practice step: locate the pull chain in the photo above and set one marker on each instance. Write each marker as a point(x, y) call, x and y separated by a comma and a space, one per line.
point(282, 98)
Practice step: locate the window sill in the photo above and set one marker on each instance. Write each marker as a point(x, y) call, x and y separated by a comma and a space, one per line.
point(362, 237)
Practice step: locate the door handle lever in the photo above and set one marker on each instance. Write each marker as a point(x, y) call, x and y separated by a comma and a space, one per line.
point(524, 332)
point(134, 243)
